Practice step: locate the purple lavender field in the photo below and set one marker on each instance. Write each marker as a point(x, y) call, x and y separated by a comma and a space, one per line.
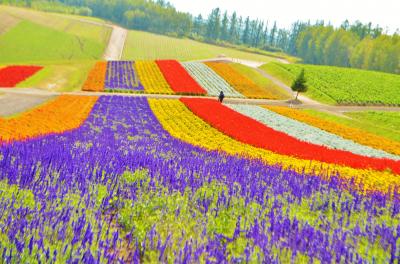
point(121, 75)
point(120, 189)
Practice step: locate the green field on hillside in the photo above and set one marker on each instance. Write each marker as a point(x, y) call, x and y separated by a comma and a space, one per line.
point(148, 46)
point(385, 124)
point(29, 42)
point(60, 76)
point(86, 27)
point(261, 81)
point(334, 85)
point(29, 36)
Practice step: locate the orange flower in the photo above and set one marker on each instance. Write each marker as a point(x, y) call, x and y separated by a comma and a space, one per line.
point(65, 113)
point(96, 77)
point(239, 82)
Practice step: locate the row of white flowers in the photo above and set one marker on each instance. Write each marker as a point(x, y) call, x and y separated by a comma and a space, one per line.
point(307, 133)
point(210, 80)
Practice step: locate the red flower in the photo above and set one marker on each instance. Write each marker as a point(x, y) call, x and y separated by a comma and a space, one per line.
point(252, 132)
point(12, 75)
point(178, 78)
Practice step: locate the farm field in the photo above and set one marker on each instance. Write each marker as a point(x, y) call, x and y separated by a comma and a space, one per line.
point(261, 81)
point(31, 36)
point(160, 180)
point(346, 86)
point(61, 76)
point(385, 124)
point(173, 77)
point(147, 46)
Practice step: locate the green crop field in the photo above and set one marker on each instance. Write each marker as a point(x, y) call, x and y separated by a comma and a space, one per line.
point(385, 124)
point(334, 85)
point(261, 81)
point(148, 46)
point(29, 36)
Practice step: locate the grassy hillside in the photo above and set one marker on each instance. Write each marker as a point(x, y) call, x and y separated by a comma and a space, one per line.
point(148, 46)
point(385, 124)
point(60, 76)
point(31, 36)
point(261, 81)
point(336, 85)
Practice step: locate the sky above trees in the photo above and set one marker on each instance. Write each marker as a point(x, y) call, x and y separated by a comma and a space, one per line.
point(285, 12)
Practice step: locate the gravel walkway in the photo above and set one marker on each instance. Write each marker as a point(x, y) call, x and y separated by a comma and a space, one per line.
point(11, 104)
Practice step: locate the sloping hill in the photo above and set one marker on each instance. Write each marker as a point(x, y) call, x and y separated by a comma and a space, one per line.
point(32, 36)
point(148, 46)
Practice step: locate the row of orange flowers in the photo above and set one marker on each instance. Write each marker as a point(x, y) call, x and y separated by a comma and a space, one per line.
point(240, 83)
point(57, 116)
point(96, 78)
point(354, 134)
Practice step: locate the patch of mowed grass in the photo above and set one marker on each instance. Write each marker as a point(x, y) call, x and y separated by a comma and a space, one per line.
point(32, 42)
point(385, 124)
point(335, 85)
point(59, 76)
point(147, 46)
point(261, 81)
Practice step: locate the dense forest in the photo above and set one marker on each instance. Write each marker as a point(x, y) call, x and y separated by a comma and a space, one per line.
point(351, 45)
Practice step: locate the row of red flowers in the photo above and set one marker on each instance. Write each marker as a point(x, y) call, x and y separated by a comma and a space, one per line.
point(178, 78)
point(12, 75)
point(250, 131)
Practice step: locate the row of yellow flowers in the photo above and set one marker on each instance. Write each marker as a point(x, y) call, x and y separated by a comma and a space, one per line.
point(354, 134)
point(240, 83)
point(151, 77)
point(64, 113)
point(181, 123)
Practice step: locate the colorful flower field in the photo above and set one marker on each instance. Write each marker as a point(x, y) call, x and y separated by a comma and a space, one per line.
point(116, 179)
point(121, 75)
point(239, 82)
point(171, 77)
point(10, 76)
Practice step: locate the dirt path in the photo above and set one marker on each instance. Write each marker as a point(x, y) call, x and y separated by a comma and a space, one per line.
point(116, 44)
point(11, 104)
point(25, 103)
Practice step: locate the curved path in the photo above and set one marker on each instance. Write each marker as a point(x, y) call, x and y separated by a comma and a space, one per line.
point(28, 92)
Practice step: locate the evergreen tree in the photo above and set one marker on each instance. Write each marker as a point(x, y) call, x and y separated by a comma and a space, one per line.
point(272, 35)
point(224, 27)
point(299, 85)
point(246, 31)
point(232, 29)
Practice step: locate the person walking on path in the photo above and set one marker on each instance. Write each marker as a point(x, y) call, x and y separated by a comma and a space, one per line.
point(221, 97)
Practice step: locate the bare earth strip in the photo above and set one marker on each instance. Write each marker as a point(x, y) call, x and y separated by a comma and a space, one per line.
point(12, 104)
point(116, 43)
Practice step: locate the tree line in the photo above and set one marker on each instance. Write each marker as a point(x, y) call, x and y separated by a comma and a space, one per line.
point(355, 45)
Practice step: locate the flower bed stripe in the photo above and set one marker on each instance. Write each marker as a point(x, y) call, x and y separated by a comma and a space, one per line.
point(209, 80)
point(307, 133)
point(121, 75)
point(152, 79)
point(257, 134)
point(181, 123)
point(179, 80)
point(64, 113)
point(96, 77)
point(350, 133)
point(10, 76)
point(239, 82)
